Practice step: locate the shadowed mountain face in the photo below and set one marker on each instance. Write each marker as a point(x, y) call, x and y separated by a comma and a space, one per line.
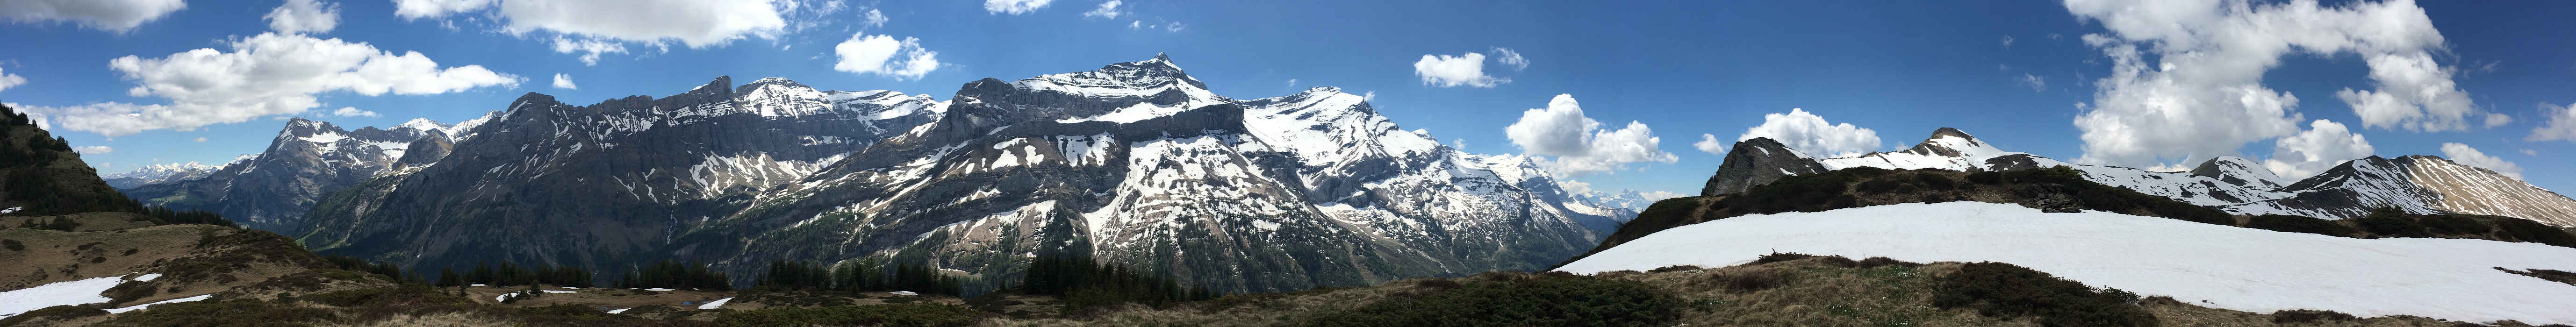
point(1135, 163)
point(307, 159)
point(2416, 184)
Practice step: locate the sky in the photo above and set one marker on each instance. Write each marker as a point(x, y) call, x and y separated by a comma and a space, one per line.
point(1642, 95)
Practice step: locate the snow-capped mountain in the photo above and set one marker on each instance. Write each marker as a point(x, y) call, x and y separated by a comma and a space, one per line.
point(161, 173)
point(1135, 163)
point(2418, 184)
point(307, 159)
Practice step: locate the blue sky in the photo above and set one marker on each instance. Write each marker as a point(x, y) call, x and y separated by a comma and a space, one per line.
point(1682, 68)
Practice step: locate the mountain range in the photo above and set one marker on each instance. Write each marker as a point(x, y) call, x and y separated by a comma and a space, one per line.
point(1134, 163)
point(2418, 184)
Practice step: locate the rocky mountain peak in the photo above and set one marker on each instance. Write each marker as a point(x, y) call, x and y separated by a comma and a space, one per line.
point(1758, 161)
point(2239, 171)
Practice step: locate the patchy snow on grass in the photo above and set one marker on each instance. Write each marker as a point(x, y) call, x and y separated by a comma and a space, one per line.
point(169, 301)
point(76, 292)
point(2218, 266)
point(715, 304)
point(619, 311)
point(555, 291)
point(905, 293)
point(658, 289)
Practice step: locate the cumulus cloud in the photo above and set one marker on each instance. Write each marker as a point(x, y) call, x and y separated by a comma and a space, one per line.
point(264, 75)
point(1448, 71)
point(1511, 58)
point(93, 149)
point(595, 27)
point(352, 112)
point(1014, 7)
point(1368, 96)
point(1292, 82)
point(1810, 133)
point(565, 82)
point(9, 80)
point(201, 139)
point(2186, 78)
point(2463, 154)
point(883, 55)
point(2036, 82)
point(304, 16)
point(2558, 124)
point(1579, 144)
point(1106, 10)
point(2324, 145)
point(2529, 152)
point(118, 16)
point(2008, 41)
point(1709, 143)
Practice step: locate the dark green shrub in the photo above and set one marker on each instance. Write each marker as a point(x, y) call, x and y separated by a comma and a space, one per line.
point(2005, 290)
point(13, 245)
point(916, 314)
point(1437, 283)
point(2391, 226)
point(1875, 262)
point(2309, 316)
point(1986, 177)
point(1541, 301)
point(1880, 186)
point(1674, 268)
point(2298, 224)
point(2535, 232)
point(59, 312)
point(1743, 282)
point(236, 312)
point(2454, 225)
point(1780, 257)
point(1935, 181)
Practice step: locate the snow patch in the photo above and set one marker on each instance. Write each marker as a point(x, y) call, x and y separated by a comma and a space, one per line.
point(2219, 266)
point(169, 301)
point(715, 304)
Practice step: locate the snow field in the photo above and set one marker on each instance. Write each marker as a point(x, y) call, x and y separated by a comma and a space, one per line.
point(2217, 266)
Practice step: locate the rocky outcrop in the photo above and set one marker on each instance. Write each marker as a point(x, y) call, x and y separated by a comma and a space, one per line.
point(1758, 161)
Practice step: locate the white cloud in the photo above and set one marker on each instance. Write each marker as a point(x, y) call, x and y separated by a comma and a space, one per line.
point(1709, 143)
point(1575, 186)
point(1135, 24)
point(8, 80)
point(417, 9)
point(883, 55)
point(1174, 27)
point(595, 27)
point(1810, 133)
point(201, 139)
point(1460, 144)
point(304, 16)
point(93, 149)
point(1370, 96)
point(1292, 82)
point(2466, 155)
point(1013, 7)
point(872, 18)
point(2324, 145)
point(263, 75)
point(2187, 76)
point(589, 48)
point(2415, 93)
point(2559, 124)
point(1107, 10)
point(2036, 82)
point(1511, 58)
point(2008, 41)
point(1579, 143)
point(1447, 71)
point(352, 112)
point(2529, 152)
point(118, 16)
point(565, 82)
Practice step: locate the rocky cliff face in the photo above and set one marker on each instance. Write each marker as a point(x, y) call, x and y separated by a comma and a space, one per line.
point(306, 160)
point(1758, 161)
point(1136, 163)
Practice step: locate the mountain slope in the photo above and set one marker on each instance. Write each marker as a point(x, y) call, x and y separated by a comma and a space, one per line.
point(1135, 163)
point(161, 173)
point(307, 159)
point(2416, 184)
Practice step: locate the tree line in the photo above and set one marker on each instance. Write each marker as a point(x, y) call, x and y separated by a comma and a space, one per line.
point(867, 274)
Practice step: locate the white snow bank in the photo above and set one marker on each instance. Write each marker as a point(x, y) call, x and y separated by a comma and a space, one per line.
point(555, 291)
point(76, 292)
point(571, 288)
point(147, 277)
point(11, 210)
point(905, 293)
point(658, 289)
point(476, 285)
point(2228, 267)
point(619, 311)
point(505, 296)
point(169, 301)
point(715, 304)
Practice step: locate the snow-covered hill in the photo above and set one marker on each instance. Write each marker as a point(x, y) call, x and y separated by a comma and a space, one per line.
point(162, 173)
point(2212, 265)
point(2418, 184)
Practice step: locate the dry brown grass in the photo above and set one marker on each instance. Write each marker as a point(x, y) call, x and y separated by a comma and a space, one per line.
point(437, 319)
